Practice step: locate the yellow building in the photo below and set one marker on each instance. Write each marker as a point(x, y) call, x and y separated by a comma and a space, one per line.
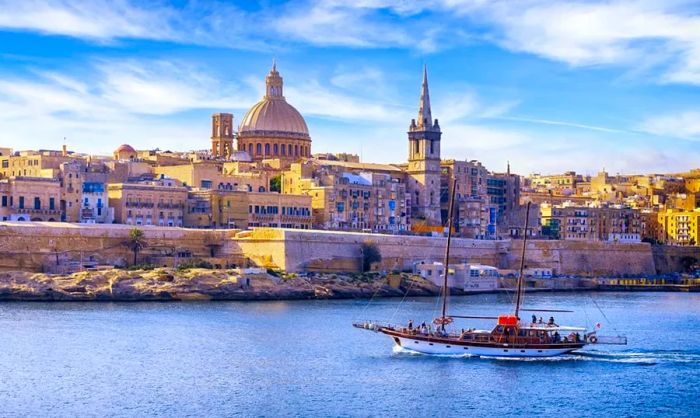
point(679, 227)
point(33, 163)
point(217, 175)
point(147, 203)
point(30, 199)
point(278, 210)
point(208, 208)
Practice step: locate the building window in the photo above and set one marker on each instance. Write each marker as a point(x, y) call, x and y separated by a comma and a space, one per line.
point(258, 149)
point(21, 202)
point(267, 149)
point(275, 149)
point(4, 201)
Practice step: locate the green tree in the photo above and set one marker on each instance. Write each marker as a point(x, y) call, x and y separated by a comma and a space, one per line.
point(136, 242)
point(276, 184)
point(370, 254)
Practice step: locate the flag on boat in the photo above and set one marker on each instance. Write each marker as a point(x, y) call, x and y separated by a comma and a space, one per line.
point(597, 325)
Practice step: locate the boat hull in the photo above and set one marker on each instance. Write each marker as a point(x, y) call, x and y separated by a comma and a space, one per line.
point(436, 346)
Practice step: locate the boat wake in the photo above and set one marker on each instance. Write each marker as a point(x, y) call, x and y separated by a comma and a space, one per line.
point(638, 357)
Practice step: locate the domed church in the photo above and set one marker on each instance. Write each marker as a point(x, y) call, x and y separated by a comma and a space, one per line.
point(273, 128)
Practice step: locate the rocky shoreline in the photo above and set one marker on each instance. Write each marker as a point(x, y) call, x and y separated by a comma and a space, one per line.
point(203, 284)
point(166, 284)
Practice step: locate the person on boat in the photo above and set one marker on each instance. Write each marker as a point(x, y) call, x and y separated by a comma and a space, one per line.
point(410, 325)
point(557, 338)
point(540, 321)
point(534, 319)
point(578, 337)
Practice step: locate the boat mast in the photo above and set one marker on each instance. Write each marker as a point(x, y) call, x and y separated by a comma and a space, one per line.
point(519, 297)
point(447, 253)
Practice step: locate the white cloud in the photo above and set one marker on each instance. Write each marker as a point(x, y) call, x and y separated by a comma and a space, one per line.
point(97, 19)
point(117, 100)
point(595, 32)
point(680, 125)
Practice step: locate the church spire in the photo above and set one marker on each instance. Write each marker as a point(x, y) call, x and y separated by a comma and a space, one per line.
point(273, 83)
point(425, 118)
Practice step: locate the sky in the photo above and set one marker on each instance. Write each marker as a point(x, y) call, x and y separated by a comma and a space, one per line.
point(548, 86)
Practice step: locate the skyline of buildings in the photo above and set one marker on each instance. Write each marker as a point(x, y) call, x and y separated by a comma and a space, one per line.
point(264, 173)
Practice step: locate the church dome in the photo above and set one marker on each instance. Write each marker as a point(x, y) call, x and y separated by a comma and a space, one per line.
point(273, 116)
point(125, 148)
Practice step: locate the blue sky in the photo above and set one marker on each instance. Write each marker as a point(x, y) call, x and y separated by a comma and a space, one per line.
point(550, 86)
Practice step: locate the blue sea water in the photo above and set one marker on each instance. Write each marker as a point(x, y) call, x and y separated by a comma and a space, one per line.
point(303, 358)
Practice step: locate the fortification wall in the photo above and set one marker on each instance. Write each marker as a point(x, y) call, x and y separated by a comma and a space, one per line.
point(39, 246)
point(585, 258)
point(669, 259)
point(36, 245)
point(302, 250)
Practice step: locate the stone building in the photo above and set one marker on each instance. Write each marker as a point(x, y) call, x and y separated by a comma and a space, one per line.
point(213, 208)
point(30, 199)
point(679, 227)
point(42, 163)
point(148, 203)
point(273, 128)
point(352, 196)
point(583, 223)
point(276, 210)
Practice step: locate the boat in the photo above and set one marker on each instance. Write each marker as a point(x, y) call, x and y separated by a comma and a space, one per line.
point(511, 336)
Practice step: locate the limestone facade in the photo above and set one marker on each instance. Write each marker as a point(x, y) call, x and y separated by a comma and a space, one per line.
point(148, 203)
point(351, 196)
point(579, 223)
point(30, 199)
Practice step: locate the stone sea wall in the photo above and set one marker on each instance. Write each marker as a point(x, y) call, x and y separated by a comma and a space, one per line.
point(36, 246)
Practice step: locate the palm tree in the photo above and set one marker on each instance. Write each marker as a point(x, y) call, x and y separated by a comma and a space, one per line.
point(136, 242)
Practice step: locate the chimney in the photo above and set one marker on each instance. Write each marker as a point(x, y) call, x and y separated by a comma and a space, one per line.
point(65, 150)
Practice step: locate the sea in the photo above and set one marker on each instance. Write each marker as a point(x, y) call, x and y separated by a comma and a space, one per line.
point(304, 359)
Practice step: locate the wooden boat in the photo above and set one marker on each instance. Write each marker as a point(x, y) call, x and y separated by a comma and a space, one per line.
point(510, 337)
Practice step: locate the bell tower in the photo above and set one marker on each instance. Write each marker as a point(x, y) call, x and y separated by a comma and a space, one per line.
point(221, 135)
point(424, 162)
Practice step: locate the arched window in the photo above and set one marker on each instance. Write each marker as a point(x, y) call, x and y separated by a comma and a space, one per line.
point(296, 150)
point(261, 189)
point(275, 149)
point(267, 149)
point(283, 150)
point(250, 149)
point(258, 149)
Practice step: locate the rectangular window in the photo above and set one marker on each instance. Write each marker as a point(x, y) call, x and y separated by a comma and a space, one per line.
point(52, 203)
point(4, 201)
point(21, 202)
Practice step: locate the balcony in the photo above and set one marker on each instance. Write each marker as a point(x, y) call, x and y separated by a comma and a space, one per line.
point(38, 211)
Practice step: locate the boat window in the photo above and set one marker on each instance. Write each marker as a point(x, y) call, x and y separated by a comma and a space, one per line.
point(499, 329)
